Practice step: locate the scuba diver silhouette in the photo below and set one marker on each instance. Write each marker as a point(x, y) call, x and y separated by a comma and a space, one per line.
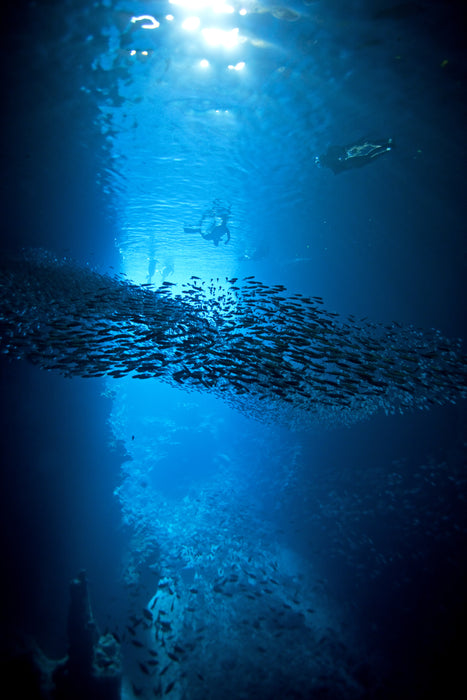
point(164, 272)
point(151, 270)
point(213, 224)
point(355, 155)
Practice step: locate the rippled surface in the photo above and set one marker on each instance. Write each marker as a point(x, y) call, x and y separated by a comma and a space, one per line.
point(183, 134)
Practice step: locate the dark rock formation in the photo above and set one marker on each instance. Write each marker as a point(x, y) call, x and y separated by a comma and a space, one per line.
point(92, 669)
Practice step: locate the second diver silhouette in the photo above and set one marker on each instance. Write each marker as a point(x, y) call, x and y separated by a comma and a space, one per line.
point(213, 224)
point(164, 272)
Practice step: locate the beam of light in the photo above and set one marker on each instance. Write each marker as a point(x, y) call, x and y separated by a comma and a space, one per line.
point(190, 4)
point(222, 7)
point(237, 66)
point(190, 24)
point(218, 6)
point(221, 37)
point(151, 22)
point(142, 52)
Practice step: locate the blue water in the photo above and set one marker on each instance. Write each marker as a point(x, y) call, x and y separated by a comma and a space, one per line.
point(309, 563)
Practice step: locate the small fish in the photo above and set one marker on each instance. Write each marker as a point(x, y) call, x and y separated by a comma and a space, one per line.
point(147, 614)
point(136, 643)
point(136, 620)
point(144, 668)
point(169, 687)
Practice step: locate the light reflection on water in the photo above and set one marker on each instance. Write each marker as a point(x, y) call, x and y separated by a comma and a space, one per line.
point(183, 134)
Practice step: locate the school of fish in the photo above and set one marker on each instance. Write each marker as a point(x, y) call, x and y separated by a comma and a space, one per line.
point(274, 356)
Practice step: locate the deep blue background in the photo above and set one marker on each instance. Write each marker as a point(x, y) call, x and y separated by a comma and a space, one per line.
point(387, 241)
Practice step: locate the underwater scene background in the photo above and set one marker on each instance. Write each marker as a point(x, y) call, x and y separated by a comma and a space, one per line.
point(233, 377)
